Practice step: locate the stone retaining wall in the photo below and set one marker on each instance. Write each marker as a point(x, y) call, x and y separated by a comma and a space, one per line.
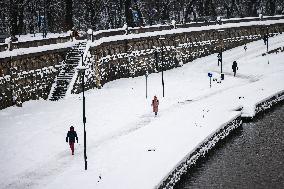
point(269, 102)
point(123, 58)
point(28, 77)
point(134, 57)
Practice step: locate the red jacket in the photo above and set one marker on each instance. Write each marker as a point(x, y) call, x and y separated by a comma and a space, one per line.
point(155, 104)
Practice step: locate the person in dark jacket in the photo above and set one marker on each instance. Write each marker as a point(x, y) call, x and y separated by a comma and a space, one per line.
point(235, 67)
point(71, 135)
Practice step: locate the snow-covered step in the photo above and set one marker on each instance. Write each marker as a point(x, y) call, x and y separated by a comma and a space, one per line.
point(67, 72)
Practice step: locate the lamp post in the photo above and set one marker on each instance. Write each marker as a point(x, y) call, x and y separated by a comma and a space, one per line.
point(44, 20)
point(177, 55)
point(82, 69)
point(265, 38)
point(92, 35)
point(220, 54)
point(11, 80)
point(267, 43)
point(146, 77)
point(162, 52)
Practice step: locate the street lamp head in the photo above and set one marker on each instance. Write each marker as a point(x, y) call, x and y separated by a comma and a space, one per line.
point(146, 73)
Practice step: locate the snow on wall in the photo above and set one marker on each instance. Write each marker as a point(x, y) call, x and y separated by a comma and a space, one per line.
point(269, 102)
point(133, 58)
point(255, 106)
point(174, 176)
point(26, 42)
point(26, 85)
point(185, 30)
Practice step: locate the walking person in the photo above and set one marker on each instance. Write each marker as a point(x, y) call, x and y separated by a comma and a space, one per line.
point(155, 104)
point(71, 135)
point(265, 38)
point(235, 67)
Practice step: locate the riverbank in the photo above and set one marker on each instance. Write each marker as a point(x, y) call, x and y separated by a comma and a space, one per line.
point(258, 142)
point(260, 106)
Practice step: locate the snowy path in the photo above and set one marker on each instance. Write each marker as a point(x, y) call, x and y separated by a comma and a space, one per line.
point(121, 127)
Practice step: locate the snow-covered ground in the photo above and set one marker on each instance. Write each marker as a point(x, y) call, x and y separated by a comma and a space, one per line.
point(127, 146)
point(38, 36)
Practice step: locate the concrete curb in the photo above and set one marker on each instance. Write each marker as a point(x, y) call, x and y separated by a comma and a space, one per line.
point(269, 102)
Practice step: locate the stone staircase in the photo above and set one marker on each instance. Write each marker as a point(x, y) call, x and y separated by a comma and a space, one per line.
point(67, 71)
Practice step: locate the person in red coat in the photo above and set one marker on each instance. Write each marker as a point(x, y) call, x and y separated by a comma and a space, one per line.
point(71, 135)
point(155, 104)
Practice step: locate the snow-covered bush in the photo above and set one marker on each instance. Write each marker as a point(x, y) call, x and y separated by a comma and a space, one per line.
point(174, 24)
point(90, 34)
point(69, 32)
point(90, 31)
point(125, 27)
point(219, 20)
point(8, 40)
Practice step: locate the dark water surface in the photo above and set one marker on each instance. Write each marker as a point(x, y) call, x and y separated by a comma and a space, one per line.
point(251, 157)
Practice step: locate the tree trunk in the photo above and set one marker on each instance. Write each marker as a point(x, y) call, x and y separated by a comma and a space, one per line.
point(128, 13)
point(68, 15)
point(13, 18)
point(21, 20)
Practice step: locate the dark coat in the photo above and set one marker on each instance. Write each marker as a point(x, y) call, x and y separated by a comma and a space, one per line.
point(235, 66)
point(71, 135)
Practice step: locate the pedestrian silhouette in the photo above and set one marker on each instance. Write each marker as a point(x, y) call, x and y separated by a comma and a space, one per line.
point(155, 104)
point(265, 38)
point(235, 67)
point(71, 135)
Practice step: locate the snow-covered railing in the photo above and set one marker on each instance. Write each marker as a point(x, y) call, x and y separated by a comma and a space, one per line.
point(154, 28)
point(168, 33)
point(35, 43)
point(121, 31)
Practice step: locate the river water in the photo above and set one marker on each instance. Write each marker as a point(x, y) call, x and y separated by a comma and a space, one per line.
point(251, 157)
